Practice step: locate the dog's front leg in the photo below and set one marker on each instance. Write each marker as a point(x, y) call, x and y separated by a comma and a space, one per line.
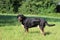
point(26, 29)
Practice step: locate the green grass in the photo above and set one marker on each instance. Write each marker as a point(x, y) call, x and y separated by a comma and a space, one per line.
point(11, 29)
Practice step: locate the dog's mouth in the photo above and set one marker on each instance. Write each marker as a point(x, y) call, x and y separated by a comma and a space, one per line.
point(19, 18)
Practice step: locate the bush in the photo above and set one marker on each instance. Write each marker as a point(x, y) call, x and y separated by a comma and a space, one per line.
point(37, 6)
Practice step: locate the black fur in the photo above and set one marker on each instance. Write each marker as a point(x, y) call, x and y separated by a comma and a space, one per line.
point(33, 22)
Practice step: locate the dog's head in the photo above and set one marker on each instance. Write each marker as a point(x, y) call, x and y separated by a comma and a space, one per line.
point(20, 17)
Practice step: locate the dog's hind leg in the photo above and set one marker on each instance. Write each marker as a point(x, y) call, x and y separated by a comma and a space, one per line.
point(41, 26)
point(42, 30)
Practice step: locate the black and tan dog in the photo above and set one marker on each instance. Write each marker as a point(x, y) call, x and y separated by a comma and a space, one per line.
point(33, 22)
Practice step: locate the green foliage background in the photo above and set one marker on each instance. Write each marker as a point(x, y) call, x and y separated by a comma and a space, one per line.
point(28, 6)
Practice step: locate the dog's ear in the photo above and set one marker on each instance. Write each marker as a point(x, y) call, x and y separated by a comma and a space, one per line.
point(23, 16)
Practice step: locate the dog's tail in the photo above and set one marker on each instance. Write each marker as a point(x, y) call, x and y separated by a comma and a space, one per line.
point(50, 24)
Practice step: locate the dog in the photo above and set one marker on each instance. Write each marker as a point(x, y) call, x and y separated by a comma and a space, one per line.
point(33, 22)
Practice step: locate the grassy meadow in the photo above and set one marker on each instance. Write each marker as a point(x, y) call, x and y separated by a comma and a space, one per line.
point(11, 29)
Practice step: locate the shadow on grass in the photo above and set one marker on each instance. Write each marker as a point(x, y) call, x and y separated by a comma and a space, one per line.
point(46, 33)
point(12, 20)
